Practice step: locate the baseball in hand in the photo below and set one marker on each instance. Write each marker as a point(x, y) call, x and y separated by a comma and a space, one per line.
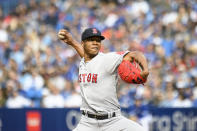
point(61, 35)
point(65, 36)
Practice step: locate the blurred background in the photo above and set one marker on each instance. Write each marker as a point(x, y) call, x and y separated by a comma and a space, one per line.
point(37, 71)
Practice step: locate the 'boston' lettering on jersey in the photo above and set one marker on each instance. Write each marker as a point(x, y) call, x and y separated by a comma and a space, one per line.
point(88, 78)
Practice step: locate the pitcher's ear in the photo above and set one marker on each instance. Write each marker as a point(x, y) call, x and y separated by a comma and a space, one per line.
point(82, 43)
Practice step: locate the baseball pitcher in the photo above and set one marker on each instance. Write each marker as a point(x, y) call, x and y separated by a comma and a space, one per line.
point(98, 80)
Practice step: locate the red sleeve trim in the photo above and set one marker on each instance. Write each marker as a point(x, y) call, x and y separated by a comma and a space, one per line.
point(120, 52)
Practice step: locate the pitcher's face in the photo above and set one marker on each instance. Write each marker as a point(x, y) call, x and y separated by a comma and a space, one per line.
point(92, 46)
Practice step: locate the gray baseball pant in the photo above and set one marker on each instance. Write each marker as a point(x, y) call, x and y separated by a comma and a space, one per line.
point(118, 123)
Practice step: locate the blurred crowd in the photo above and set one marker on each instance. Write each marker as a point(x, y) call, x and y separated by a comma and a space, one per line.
point(38, 70)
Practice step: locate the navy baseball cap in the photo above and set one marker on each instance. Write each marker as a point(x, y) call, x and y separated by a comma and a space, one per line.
point(90, 32)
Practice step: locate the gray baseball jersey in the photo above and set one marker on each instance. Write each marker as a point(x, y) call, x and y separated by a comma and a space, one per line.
point(98, 82)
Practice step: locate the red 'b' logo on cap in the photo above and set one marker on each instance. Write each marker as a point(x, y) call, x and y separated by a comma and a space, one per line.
point(94, 31)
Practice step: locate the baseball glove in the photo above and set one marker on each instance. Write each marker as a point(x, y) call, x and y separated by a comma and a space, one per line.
point(130, 72)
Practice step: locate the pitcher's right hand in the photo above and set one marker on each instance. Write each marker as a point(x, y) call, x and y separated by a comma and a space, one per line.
point(65, 36)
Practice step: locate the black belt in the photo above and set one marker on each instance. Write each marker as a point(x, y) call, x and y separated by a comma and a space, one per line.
point(98, 117)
